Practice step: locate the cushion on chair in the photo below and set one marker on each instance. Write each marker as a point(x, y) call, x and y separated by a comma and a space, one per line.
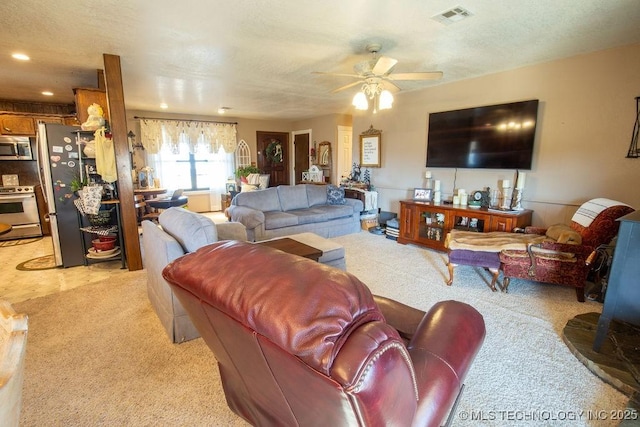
point(190, 229)
point(264, 200)
point(293, 197)
point(316, 194)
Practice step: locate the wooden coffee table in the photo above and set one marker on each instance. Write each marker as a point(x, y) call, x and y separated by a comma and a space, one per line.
point(291, 246)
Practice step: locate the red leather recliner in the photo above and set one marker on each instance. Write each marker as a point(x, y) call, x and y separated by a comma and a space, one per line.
point(302, 344)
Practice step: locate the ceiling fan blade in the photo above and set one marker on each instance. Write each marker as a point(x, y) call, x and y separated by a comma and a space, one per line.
point(347, 86)
point(433, 75)
point(384, 65)
point(389, 85)
point(337, 74)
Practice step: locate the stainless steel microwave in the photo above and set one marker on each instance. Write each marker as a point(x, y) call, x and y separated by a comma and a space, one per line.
point(15, 148)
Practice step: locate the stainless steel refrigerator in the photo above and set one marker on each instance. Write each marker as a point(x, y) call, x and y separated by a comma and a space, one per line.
point(59, 161)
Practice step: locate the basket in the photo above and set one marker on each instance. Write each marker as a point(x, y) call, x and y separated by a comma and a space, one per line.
point(101, 218)
point(368, 221)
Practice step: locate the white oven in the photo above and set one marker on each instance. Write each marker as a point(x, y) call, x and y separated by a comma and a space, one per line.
point(18, 207)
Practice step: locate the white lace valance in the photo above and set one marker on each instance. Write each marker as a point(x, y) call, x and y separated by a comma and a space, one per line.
point(210, 136)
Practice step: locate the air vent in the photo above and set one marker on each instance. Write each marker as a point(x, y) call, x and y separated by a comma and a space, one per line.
point(451, 16)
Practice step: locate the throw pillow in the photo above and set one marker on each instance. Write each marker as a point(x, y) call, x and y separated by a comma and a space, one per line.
point(253, 179)
point(248, 187)
point(335, 195)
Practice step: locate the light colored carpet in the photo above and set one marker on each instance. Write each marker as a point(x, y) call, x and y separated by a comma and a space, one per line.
point(97, 355)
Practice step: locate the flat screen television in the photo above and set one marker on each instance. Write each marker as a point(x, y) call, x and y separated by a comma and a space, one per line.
point(490, 137)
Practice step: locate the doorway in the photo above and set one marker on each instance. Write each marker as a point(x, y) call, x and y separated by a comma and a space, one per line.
point(301, 143)
point(345, 152)
point(273, 156)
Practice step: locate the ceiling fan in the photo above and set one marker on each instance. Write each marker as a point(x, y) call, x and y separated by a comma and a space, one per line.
point(372, 73)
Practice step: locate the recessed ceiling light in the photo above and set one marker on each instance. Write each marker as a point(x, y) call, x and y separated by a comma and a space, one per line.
point(20, 57)
point(47, 93)
point(223, 110)
point(164, 106)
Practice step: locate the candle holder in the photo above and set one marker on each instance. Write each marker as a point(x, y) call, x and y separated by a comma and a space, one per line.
point(506, 200)
point(517, 204)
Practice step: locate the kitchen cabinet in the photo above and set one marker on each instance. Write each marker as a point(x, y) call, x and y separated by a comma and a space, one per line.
point(427, 224)
point(17, 124)
point(84, 97)
point(26, 124)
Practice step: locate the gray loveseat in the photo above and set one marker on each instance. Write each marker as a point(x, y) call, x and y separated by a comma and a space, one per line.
point(180, 231)
point(292, 209)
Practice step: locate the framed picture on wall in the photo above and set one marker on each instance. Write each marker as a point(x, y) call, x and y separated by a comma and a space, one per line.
point(370, 141)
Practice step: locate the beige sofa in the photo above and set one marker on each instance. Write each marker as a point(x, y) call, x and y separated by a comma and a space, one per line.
point(179, 231)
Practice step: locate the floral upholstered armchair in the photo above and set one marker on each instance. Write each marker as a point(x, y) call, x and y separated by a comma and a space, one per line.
point(565, 257)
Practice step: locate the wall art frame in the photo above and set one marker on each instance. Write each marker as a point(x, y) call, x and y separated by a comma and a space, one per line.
point(370, 148)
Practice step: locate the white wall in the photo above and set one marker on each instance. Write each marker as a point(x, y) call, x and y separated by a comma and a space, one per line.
point(586, 116)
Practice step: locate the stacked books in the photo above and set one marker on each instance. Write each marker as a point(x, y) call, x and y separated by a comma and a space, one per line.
point(393, 229)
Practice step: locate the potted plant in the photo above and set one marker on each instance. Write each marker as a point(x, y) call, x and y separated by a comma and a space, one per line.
point(78, 183)
point(243, 171)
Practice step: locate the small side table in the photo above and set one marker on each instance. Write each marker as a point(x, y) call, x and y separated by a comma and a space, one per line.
point(225, 201)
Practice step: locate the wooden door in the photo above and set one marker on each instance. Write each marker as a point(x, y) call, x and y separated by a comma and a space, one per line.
point(301, 156)
point(273, 156)
point(345, 153)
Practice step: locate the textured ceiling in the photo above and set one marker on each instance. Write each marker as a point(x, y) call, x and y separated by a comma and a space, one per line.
point(257, 57)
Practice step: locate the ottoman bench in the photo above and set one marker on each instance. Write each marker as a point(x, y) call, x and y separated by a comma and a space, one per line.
point(488, 260)
point(483, 249)
point(332, 253)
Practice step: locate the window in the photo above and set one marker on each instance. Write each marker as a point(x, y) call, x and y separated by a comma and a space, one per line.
point(183, 169)
point(193, 171)
point(191, 155)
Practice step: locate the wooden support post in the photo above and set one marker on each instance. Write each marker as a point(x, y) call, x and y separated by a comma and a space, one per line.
point(118, 122)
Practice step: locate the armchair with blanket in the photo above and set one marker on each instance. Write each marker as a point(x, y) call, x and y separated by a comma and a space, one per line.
point(298, 343)
point(564, 257)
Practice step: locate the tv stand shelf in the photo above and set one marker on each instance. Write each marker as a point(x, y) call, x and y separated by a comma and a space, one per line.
point(427, 224)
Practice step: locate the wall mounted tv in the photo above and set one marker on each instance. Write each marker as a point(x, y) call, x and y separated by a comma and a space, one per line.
point(490, 137)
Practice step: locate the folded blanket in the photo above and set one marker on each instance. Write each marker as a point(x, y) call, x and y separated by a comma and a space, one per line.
point(591, 209)
point(490, 242)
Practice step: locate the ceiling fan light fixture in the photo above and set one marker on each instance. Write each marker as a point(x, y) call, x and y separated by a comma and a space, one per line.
point(360, 101)
point(386, 100)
